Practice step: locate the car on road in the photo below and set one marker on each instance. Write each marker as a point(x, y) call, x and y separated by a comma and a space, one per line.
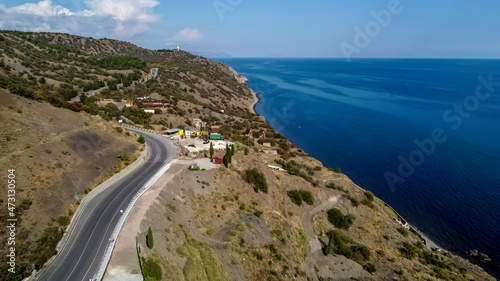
point(192, 145)
point(111, 240)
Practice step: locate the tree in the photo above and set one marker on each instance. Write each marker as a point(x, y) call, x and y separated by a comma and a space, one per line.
point(246, 150)
point(149, 238)
point(225, 160)
point(232, 150)
point(227, 156)
point(141, 139)
point(211, 150)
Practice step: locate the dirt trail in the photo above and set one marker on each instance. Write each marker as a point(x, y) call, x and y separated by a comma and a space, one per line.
point(314, 244)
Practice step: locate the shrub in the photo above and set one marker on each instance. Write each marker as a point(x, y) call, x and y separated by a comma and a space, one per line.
point(370, 268)
point(297, 196)
point(257, 179)
point(403, 231)
point(408, 250)
point(332, 185)
point(338, 219)
point(354, 201)
point(141, 139)
point(63, 220)
point(119, 129)
point(369, 195)
point(123, 157)
point(341, 244)
point(151, 270)
point(317, 168)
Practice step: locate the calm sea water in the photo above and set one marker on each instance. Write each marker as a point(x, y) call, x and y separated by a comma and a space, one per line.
point(367, 117)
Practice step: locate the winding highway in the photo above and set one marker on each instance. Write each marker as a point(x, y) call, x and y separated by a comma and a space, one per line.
point(81, 255)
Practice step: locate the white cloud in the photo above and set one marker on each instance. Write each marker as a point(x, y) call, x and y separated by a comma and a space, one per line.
point(123, 18)
point(187, 35)
point(123, 10)
point(42, 9)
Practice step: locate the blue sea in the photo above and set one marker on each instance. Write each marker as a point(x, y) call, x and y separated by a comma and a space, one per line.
point(423, 135)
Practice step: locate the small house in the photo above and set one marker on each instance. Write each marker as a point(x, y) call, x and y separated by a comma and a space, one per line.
point(218, 159)
point(129, 103)
point(262, 134)
point(214, 131)
point(149, 110)
point(157, 103)
point(147, 103)
point(141, 96)
point(221, 110)
point(135, 106)
point(248, 133)
point(267, 143)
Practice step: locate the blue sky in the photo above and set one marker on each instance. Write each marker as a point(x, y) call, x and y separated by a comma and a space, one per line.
point(278, 28)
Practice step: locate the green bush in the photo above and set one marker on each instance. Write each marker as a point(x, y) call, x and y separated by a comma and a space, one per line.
point(369, 195)
point(403, 231)
point(370, 268)
point(141, 139)
point(295, 197)
point(123, 157)
point(46, 245)
point(151, 270)
point(63, 220)
point(408, 250)
point(299, 196)
point(332, 185)
point(338, 219)
point(341, 244)
point(257, 179)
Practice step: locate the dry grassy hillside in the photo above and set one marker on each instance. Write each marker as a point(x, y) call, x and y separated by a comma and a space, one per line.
point(58, 156)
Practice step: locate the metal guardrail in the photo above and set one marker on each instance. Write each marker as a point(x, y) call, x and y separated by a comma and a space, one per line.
point(111, 244)
point(142, 129)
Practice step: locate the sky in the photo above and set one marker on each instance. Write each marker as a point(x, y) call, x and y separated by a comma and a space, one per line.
point(275, 28)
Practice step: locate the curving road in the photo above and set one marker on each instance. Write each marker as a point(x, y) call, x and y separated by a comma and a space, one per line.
point(83, 252)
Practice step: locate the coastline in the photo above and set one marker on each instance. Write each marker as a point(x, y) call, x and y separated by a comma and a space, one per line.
point(431, 245)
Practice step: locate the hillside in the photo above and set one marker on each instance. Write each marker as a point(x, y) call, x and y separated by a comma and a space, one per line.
point(248, 221)
point(58, 156)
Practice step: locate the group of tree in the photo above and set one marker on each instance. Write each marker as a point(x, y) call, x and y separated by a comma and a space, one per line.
point(228, 157)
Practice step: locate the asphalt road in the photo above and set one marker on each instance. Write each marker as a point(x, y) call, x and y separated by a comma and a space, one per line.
point(82, 254)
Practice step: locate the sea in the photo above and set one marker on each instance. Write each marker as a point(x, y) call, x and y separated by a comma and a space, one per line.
point(422, 134)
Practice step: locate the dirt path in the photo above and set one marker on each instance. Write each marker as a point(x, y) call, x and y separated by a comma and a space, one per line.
point(314, 244)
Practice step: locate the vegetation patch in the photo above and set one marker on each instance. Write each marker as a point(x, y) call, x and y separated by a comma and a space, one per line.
point(257, 179)
point(338, 219)
point(341, 244)
point(299, 196)
point(151, 270)
point(202, 262)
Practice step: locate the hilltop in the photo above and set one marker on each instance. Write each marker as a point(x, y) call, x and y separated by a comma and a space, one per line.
point(259, 218)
